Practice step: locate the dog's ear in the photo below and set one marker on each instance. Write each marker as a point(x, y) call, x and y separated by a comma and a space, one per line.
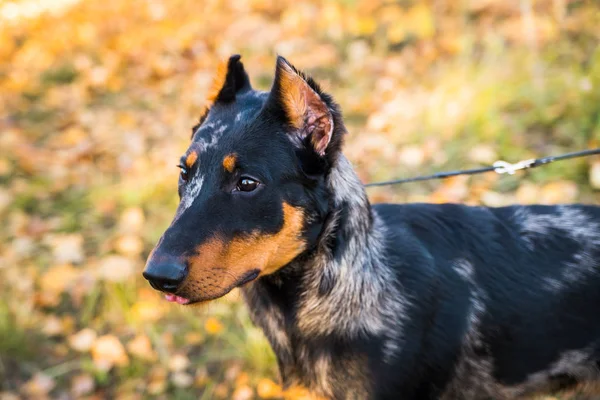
point(231, 78)
point(298, 100)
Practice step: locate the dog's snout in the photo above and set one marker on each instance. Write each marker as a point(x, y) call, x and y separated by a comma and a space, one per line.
point(165, 276)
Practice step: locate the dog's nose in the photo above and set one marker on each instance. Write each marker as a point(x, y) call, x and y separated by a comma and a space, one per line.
point(165, 276)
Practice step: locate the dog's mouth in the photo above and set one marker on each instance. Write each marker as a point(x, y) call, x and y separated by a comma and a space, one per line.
point(188, 299)
point(176, 299)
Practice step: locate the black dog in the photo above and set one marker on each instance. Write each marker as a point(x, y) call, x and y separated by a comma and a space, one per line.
point(412, 301)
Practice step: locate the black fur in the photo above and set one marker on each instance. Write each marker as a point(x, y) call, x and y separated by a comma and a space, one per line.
point(412, 301)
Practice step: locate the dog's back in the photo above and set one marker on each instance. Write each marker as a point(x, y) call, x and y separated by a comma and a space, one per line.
point(502, 301)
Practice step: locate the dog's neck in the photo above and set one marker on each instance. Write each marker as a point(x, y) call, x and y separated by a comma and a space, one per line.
point(342, 288)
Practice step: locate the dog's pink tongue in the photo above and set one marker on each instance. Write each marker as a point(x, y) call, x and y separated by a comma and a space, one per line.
point(176, 299)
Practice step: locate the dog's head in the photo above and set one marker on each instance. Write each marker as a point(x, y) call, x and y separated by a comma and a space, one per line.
point(252, 188)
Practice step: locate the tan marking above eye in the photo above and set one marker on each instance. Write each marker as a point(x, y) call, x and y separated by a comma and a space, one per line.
point(218, 264)
point(229, 162)
point(191, 159)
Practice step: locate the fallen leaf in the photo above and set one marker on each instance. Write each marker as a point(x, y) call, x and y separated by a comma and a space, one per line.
point(412, 156)
point(39, 385)
point(115, 269)
point(267, 389)
point(193, 338)
point(52, 326)
point(527, 193)
point(66, 248)
point(213, 326)
point(178, 362)
point(83, 340)
point(141, 347)
point(243, 393)
point(107, 352)
point(483, 154)
point(147, 310)
point(157, 380)
point(561, 191)
point(131, 220)
point(82, 384)
point(594, 175)
point(58, 278)
point(182, 379)
point(129, 245)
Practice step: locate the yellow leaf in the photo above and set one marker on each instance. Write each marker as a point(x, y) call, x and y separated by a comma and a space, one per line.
point(300, 393)
point(527, 193)
point(267, 389)
point(362, 25)
point(56, 279)
point(193, 338)
point(213, 326)
point(562, 191)
point(147, 311)
point(421, 20)
point(244, 392)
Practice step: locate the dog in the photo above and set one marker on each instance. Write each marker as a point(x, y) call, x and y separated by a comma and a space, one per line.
point(384, 301)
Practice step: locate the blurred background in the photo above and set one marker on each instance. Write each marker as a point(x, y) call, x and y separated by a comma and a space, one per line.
point(97, 101)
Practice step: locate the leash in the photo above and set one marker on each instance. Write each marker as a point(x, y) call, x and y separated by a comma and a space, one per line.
point(499, 167)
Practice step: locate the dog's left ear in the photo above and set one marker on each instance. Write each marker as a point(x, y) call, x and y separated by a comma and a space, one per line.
point(230, 79)
point(298, 100)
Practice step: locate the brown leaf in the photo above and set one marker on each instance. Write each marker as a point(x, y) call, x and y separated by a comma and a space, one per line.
point(107, 352)
point(58, 278)
point(141, 347)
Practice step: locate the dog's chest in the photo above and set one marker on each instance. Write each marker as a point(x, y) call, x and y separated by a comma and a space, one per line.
point(323, 366)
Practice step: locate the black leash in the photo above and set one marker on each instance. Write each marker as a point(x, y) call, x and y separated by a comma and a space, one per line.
point(500, 167)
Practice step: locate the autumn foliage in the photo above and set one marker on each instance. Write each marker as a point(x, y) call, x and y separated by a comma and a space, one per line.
point(97, 98)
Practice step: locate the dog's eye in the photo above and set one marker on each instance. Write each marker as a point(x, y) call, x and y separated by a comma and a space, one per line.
point(184, 173)
point(246, 184)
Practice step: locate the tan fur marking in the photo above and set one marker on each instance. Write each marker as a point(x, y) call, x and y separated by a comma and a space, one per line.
point(218, 265)
point(293, 90)
point(191, 159)
point(217, 83)
point(229, 162)
point(304, 107)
